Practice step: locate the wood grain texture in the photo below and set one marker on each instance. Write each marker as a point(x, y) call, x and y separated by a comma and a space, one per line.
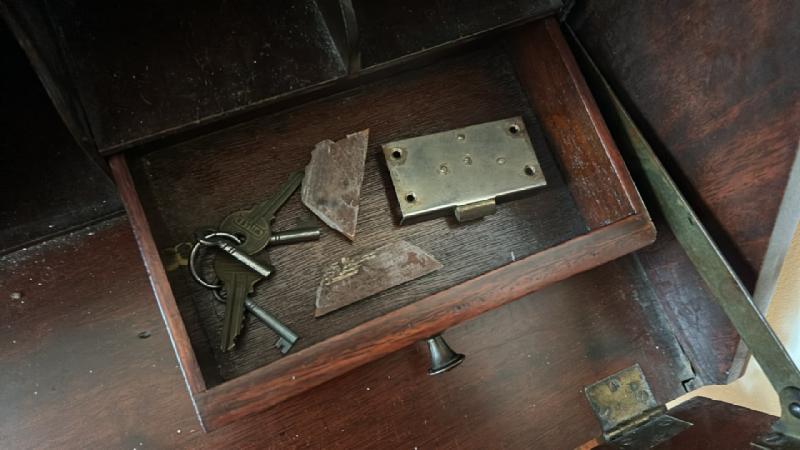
point(702, 328)
point(555, 86)
point(271, 384)
point(195, 184)
point(77, 362)
point(727, 426)
point(74, 371)
point(536, 241)
point(158, 278)
point(714, 85)
point(694, 314)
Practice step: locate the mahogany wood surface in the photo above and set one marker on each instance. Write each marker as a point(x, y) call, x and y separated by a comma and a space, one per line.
point(705, 333)
point(184, 185)
point(559, 95)
point(718, 424)
point(324, 361)
point(694, 314)
point(76, 374)
point(84, 300)
point(714, 84)
point(715, 424)
point(197, 183)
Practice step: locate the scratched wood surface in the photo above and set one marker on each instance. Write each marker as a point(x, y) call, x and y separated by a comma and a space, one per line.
point(714, 84)
point(77, 374)
point(195, 184)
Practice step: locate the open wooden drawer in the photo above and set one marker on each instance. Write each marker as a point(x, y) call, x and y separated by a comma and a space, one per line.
point(589, 213)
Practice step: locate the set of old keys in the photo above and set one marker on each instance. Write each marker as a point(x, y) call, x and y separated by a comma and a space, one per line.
point(241, 235)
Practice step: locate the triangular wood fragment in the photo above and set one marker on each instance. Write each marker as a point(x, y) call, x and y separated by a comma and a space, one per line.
point(355, 278)
point(332, 184)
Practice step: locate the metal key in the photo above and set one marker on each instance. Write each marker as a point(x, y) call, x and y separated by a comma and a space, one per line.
point(179, 255)
point(255, 225)
point(295, 236)
point(238, 281)
point(286, 337)
point(218, 239)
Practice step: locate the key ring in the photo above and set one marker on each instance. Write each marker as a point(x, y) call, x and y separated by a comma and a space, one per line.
point(204, 242)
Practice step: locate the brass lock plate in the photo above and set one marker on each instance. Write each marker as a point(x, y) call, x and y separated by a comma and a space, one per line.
point(463, 170)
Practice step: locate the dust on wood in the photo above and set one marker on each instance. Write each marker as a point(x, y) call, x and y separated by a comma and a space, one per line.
point(355, 278)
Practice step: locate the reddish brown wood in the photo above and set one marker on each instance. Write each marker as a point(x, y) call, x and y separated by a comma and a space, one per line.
point(196, 183)
point(73, 371)
point(723, 424)
point(626, 229)
point(715, 424)
point(715, 86)
point(695, 315)
point(157, 275)
point(696, 318)
point(75, 374)
point(547, 70)
point(298, 372)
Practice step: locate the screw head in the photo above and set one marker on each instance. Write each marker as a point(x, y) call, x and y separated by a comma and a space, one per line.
point(794, 409)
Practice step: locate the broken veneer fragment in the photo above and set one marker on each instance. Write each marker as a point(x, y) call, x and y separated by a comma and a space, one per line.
point(332, 183)
point(356, 278)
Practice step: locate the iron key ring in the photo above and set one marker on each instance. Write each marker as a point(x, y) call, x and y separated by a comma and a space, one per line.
point(204, 242)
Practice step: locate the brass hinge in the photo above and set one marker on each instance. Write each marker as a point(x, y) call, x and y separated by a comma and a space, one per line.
point(628, 412)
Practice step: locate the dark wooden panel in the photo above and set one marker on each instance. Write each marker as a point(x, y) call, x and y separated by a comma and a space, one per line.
point(146, 68)
point(77, 375)
point(129, 73)
point(196, 183)
point(715, 86)
point(697, 320)
point(704, 331)
point(30, 25)
point(48, 183)
point(394, 30)
point(73, 364)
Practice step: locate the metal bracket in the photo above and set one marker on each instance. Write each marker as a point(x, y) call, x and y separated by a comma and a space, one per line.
point(628, 412)
point(464, 170)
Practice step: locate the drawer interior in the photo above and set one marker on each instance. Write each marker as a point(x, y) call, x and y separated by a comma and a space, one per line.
point(194, 184)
